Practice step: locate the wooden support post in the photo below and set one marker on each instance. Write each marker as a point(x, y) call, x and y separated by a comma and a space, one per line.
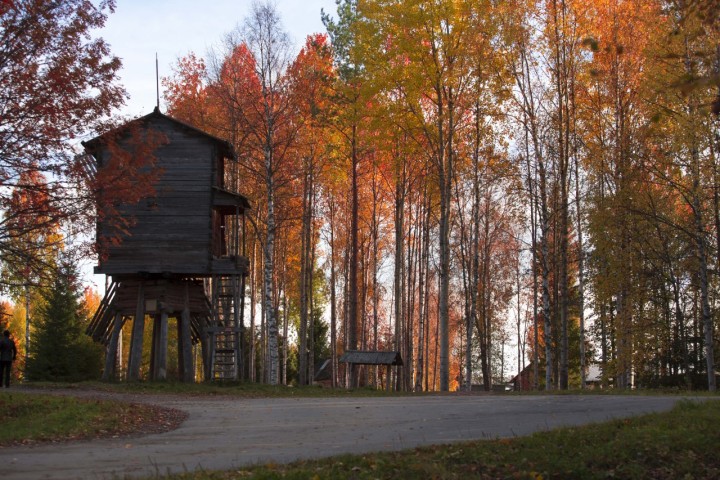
point(208, 344)
point(119, 360)
point(236, 325)
point(154, 345)
point(136, 341)
point(111, 355)
point(180, 366)
point(160, 346)
point(185, 342)
point(242, 346)
point(388, 381)
point(185, 347)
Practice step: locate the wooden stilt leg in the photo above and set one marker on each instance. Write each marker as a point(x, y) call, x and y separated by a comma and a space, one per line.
point(136, 341)
point(112, 350)
point(208, 347)
point(185, 347)
point(180, 366)
point(154, 346)
point(161, 347)
point(236, 325)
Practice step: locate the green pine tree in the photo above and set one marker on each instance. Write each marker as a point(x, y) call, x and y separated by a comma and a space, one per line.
point(61, 351)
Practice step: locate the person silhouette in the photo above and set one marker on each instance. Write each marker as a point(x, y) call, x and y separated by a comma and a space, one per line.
point(8, 352)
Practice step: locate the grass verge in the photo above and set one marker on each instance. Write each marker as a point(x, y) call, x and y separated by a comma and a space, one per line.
point(233, 389)
point(680, 444)
point(30, 418)
point(259, 390)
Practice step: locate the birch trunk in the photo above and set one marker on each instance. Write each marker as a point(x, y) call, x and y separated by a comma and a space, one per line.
point(353, 280)
point(422, 294)
point(399, 272)
point(333, 295)
point(305, 243)
point(269, 264)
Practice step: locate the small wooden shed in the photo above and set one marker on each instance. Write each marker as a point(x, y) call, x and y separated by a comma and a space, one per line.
point(372, 357)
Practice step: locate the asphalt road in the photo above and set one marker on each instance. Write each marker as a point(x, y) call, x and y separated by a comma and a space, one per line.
point(222, 433)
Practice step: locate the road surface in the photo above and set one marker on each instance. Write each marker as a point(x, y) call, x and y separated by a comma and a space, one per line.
point(226, 433)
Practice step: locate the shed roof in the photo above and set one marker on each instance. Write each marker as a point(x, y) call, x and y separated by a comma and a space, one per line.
point(371, 357)
point(228, 199)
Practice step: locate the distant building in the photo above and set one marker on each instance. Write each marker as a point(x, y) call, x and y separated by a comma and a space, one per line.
point(593, 377)
point(523, 381)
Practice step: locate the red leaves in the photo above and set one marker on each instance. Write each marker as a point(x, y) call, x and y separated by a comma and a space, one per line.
point(5, 5)
point(126, 176)
point(57, 83)
point(54, 82)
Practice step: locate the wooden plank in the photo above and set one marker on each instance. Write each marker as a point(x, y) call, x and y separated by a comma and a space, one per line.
point(98, 322)
point(112, 349)
point(136, 341)
point(160, 347)
point(185, 340)
point(172, 224)
point(176, 264)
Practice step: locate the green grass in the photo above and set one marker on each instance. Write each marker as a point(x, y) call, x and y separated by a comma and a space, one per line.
point(681, 444)
point(622, 392)
point(233, 389)
point(32, 418)
point(257, 390)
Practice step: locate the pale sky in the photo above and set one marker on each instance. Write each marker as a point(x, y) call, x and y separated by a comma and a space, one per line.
point(172, 28)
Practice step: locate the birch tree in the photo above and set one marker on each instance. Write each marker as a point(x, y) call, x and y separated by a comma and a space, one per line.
point(266, 39)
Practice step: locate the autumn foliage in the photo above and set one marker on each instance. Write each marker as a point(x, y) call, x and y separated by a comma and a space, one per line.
point(479, 185)
point(57, 83)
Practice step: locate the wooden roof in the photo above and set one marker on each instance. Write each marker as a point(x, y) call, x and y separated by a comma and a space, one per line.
point(371, 357)
point(228, 200)
point(225, 147)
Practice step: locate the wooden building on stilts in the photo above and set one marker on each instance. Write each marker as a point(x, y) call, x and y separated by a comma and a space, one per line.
point(181, 256)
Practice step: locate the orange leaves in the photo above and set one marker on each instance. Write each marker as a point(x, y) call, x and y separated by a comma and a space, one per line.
point(31, 226)
point(185, 91)
point(30, 201)
point(238, 71)
point(311, 76)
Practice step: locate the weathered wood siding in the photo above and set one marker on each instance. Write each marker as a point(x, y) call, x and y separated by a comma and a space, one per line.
point(172, 231)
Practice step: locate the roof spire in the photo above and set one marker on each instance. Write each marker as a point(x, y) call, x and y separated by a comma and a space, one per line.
point(157, 83)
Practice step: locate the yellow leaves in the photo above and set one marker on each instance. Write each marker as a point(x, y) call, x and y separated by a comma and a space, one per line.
point(535, 476)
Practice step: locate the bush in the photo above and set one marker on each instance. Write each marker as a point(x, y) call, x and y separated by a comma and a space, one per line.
point(698, 381)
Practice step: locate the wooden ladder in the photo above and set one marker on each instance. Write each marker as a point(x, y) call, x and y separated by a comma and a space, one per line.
point(225, 334)
point(225, 354)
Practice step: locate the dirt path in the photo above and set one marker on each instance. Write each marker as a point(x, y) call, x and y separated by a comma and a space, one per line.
point(225, 433)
